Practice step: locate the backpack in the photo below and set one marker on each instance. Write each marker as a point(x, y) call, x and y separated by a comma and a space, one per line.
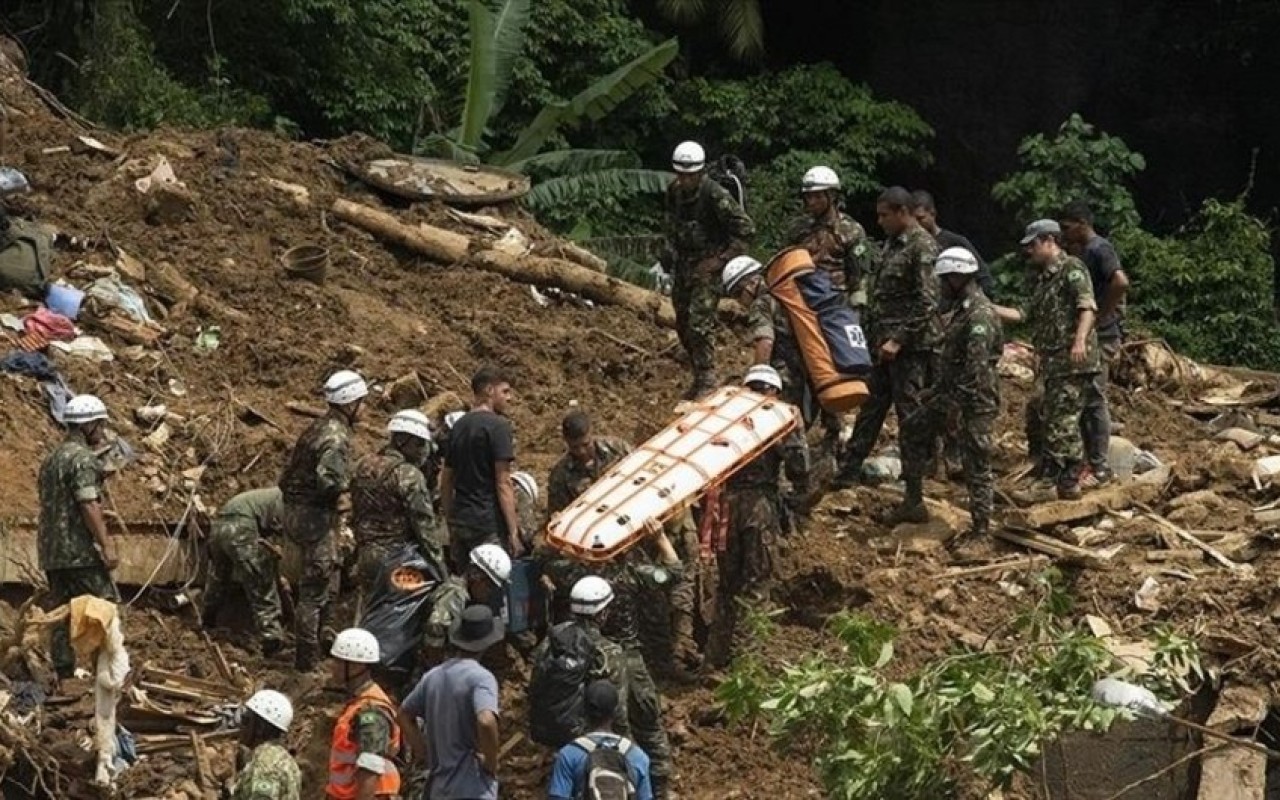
point(558, 683)
point(731, 173)
point(607, 776)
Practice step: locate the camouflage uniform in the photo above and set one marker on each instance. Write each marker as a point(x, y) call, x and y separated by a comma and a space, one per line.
point(609, 663)
point(318, 473)
point(839, 245)
point(391, 507)
point(970, 350)
point(904, 305)
point(527, 517)
point(67, 551)
point(705, 222)
point(271, 774)
point(237, 556)
point(1061, 291)
point(754, 501)
point(570, 478)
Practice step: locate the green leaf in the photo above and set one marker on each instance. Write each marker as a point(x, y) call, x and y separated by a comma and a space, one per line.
point(573, 162)
point(982, 695)
point(593, 103)
point(618, 182)
point(508, 44)
point(481, 76)
point(886, 654)
point(683, 12)
point(901, 696)
point(743, 28)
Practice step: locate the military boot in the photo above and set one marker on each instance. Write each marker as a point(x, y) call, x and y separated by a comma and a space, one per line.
point(913, 509)
point(305, 656)
point(1068, 483)
point(849, 474)
point(688, 657)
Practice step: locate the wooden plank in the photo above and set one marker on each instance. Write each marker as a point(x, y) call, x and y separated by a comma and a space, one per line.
point(195, 695)
point(1016, 562)
point(1240, 569)
point(1053, 547)
point(1142, 489)
point(1181, 556)
point(188, 682)
point(220, 661)
point(204, 773)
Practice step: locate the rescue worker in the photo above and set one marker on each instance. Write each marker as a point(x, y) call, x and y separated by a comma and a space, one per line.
point(705, 228)
point(526, 487)
point(1060, 310)
point(753, 503)
point(315, 486)
point(668, 614)
point(968, 381)
point(903, 332)
point(391, 502)
point(835, 240)
point(482, 582)
point(271, 773)
point(366, 737)
point(774, 344)
point(241, 553)
point(75, 551)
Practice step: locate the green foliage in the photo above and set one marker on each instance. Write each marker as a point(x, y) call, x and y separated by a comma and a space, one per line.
point(782, 123)
point(738, 24)
point(1208, 288)
point(911, 738)
point(1078, 163)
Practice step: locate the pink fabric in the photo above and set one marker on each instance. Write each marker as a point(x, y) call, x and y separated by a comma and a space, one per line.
point(52, 325)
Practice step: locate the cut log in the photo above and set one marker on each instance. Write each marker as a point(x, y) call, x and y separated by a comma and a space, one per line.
point(448, 247)
point(120, 326)
point(1049, 546)
point(1142, 489)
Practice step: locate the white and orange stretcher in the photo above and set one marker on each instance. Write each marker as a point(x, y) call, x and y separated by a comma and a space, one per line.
point(710, 441)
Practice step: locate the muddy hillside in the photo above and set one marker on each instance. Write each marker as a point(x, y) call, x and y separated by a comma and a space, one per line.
point(235, 352)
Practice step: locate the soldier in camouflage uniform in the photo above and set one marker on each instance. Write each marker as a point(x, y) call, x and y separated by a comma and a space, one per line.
point(315, 486)
point(240, 554)
point(753, 499)
point(74, 549)
point(1061, 312)
point(391, 502)
point(482, 582)
point(705, 228)
point(835, 240)
point(668, 617)
point(968, 381)
point(271, 773)
point(904, 332)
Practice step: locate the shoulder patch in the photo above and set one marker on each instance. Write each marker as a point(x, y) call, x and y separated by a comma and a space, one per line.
point(979, 330)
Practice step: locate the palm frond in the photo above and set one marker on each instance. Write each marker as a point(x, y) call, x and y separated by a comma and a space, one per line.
point(573, 162)
point(683, 12)
point(742, 28)
point(508, 44)
point(439, 145)
point(594, 102)
point(638, 249)
point(616, 182)
point(481, 76)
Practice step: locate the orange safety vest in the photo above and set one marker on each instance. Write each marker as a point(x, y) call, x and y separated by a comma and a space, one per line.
point(345, 749)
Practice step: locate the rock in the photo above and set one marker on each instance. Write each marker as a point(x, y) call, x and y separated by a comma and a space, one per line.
point(158, 438)
point(1245, 440)
point(170, 204)
point(1239, 708)
point(1232, 773)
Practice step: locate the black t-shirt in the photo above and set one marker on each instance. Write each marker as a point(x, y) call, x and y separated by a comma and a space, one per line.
point(477, 441)
point(1100, 257)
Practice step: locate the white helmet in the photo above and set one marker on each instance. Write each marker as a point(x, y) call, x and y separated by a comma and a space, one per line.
point(590, 595)
point(344, 386)
point(414, 423)
point(492, 561)
point(357, 646)
point(527, 484)
point(688, 157)
point(820, 179)
point(452, 418)
point(955, 261)
point(737, 270)
point(763, 373)
point(273, 707)
point(83, 409)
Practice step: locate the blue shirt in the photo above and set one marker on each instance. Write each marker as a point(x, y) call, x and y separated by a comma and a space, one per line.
point(570, 770)
point(447, 700)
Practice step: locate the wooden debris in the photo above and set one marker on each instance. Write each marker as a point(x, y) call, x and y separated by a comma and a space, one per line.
point(204, 773)
point(131, 331)
point(1053, 547)
point(1183, 556)
point(510, 744)
point(1142, 489)
point(1269, 517)
point(144, 553)
point(252, 416)
point(1241, 569)
point(1015, 562)
point(220, 661)
point(149, 744)
point(1245, 440)
point(305, 410)
point(621, 342)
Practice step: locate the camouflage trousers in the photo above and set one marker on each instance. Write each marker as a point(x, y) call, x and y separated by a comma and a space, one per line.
point(746, 566)
point(65, 584)
point(695, 299)
point(974, 436)
point(1053, 420)
point(237, 558)
point(309, 547)
point(669, 612)
point(899, 384)
point(644, 715)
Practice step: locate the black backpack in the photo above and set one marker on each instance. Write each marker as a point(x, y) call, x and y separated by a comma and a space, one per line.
point(731, 173)
point(557, 685)
point(607, 776)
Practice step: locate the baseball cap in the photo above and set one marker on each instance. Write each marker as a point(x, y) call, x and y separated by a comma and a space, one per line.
point(1040, 227)
point(601, 698)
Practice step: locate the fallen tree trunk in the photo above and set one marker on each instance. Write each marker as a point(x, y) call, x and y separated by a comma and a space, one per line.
point(449, 247)
point(1120, 495)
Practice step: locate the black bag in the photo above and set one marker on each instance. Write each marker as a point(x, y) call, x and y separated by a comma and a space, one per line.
point(731, 173)
point(557, 685)
point(398, 608)
point(607, 776)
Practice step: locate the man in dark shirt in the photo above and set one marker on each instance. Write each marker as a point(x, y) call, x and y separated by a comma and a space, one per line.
point(476, 494)
point(1110, 284)
point(926, 213)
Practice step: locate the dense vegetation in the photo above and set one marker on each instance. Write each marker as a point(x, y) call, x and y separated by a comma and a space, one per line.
point(588, 96)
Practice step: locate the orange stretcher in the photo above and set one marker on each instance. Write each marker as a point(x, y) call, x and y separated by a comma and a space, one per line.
point(718, 435)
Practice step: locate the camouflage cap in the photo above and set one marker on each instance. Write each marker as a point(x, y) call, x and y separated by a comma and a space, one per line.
point(1041, 227)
